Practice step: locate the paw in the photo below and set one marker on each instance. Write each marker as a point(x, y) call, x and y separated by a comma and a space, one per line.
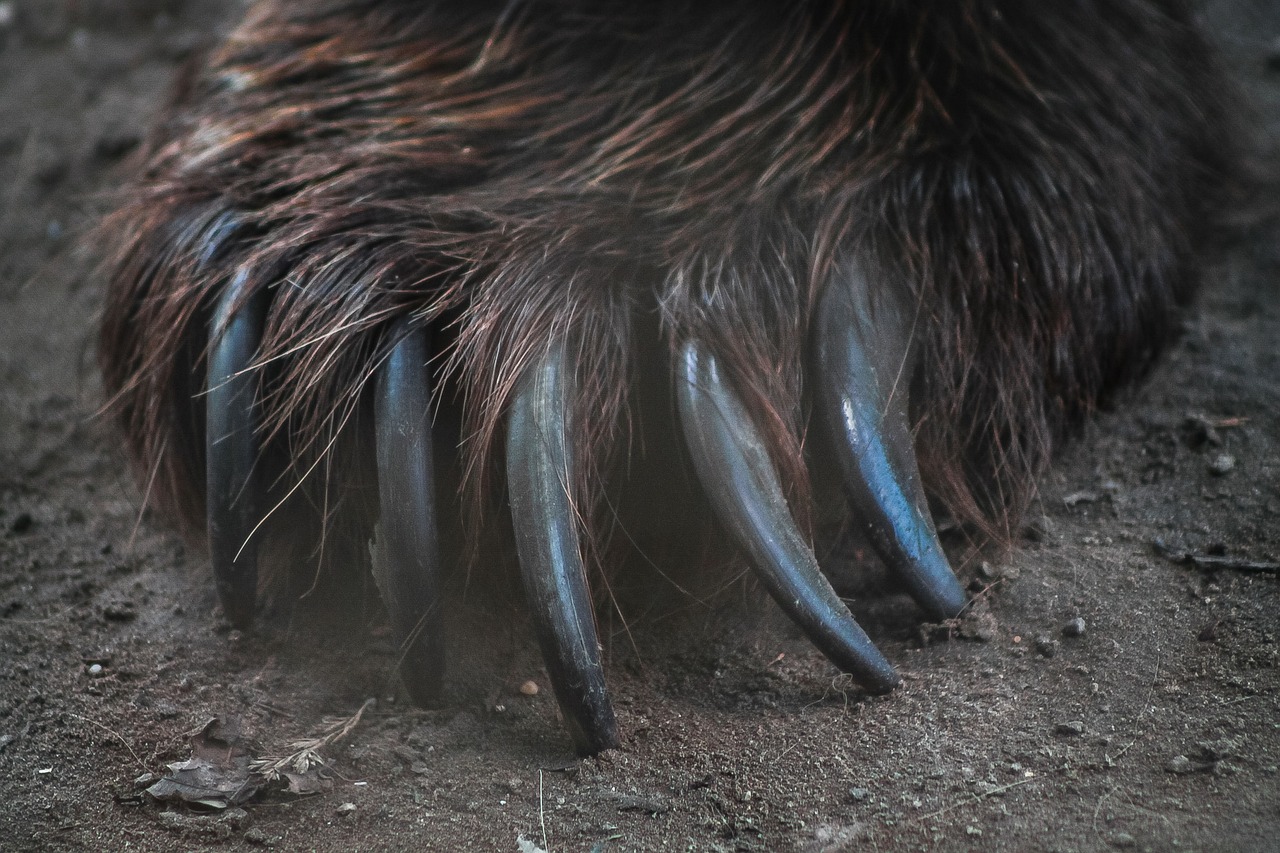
point(940, 237)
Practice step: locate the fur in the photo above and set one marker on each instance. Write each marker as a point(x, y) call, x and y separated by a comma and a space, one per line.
point(1037, 175)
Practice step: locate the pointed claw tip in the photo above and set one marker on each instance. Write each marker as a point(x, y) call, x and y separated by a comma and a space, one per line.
point(952, 599)
point(742, 484)
point(862, 370)
point(603, 738)
point(539, 455)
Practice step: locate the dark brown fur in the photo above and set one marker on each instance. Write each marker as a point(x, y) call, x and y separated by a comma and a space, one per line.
point(1037, 173)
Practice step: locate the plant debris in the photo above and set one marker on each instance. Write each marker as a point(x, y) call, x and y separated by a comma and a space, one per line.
point(216, 776)
point(222, 773)
point(1213, 562)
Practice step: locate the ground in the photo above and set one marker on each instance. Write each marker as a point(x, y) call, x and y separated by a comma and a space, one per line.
point(1117, 685)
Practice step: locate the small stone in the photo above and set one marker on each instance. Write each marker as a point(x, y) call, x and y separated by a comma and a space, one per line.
point(972, 830)
point(1046, 645)
point(21, 522)
point(95, 671)
point(1180, 765)
point(988, 571)
point(858, 795)
point(529, 688)
point(1071, 728)
point(1074, 628)
point(1221, 464)
point(346, 809)
point(1123, 840)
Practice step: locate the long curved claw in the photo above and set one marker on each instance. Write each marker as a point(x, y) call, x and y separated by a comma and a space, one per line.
point(862, 356)
point(740, 479)
point(407, 558)
point(546, 527)
point(233, 494)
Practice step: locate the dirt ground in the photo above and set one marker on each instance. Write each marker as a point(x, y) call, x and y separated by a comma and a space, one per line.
point(1105, 693)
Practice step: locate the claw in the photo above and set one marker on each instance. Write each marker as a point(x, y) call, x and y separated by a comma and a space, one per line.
point(546, 527)
point(233, 493)
point(740, 479)
point(862, 386)
point(407, 561)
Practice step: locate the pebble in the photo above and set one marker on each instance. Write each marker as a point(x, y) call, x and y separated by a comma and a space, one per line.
point(1123, 840)
point(1221, 464)
point(858, 794)
point(1046, 645)
point(1073, 728)
point(346, 809)
point(529, 688)
point(1074, 628)
point(95, 671)
point(21, 522)
point(1181, 765)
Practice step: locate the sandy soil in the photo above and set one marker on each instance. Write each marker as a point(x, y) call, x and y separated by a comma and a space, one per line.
point(1156, 727)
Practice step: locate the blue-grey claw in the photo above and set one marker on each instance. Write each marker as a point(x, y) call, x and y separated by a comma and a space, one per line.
point(742, 483)
point(546, 527)
point(233, 495)
point(862, 375)
point(407, 557)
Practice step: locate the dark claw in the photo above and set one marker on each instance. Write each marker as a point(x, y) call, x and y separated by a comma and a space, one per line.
point(546, 527)
point(740, 479)
point(862, 375)
point(233, 494)
point(407, 557)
